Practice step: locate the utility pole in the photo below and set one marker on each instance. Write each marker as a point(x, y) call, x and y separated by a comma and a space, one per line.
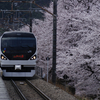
point(30, 16)
point(54, 40)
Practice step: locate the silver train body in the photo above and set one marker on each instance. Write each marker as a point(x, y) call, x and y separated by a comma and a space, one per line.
point(18, 54)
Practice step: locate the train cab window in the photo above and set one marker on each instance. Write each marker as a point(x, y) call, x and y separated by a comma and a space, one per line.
point(14, 44)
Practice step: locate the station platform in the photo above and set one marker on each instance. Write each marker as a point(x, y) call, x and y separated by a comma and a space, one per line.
point(3, 91)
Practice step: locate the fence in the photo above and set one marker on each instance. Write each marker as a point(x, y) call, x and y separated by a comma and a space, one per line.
point(39, 71)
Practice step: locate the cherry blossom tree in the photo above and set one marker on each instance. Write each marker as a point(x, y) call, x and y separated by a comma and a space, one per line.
point(78, 43)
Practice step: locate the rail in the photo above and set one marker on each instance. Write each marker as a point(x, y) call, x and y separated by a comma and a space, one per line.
point(18, 90)
point(45, 97)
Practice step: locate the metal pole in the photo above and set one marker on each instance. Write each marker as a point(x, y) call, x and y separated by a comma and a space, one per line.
point(47, 59)
point(12, 6)
point(30, 16)
point(30, 21)
point(13, 16)
point(41, 73)
point(2, 14)
point(47, 70)
point(18, 21)
point(54, 41)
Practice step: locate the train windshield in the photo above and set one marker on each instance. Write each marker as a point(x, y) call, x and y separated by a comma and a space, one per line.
point(18, 46)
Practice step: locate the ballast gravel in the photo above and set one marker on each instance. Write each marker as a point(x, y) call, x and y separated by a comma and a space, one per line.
point(53, 92)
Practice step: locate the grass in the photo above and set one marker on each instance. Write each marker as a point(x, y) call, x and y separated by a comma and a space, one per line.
point(68, 90)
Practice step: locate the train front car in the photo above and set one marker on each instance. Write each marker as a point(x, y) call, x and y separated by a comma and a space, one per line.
point(18, 54)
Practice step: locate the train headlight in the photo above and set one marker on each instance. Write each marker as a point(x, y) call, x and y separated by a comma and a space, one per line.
point(3, 57)
point(33, 58)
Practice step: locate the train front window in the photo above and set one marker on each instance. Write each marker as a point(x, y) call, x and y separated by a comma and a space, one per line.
point(18, 43)
point(15, 47)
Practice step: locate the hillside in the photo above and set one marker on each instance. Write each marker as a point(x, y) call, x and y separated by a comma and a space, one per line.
point(78, 44)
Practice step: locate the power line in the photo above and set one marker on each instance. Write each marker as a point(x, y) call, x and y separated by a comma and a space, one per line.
point(30, 2)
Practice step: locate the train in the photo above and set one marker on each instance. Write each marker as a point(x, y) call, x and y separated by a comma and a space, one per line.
point(18, 54)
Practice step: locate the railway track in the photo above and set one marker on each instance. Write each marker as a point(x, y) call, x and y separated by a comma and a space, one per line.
point(33, 94)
